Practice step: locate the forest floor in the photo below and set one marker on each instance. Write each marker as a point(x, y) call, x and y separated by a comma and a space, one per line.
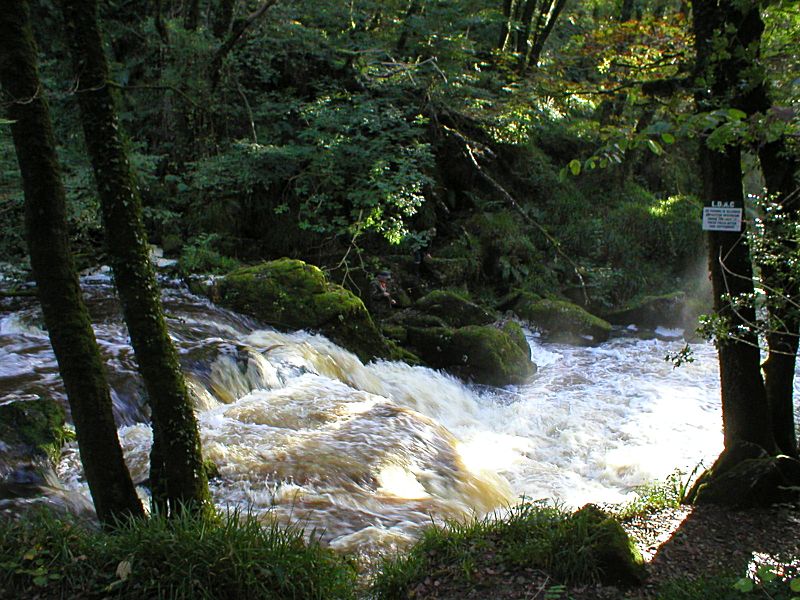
point(685, 542)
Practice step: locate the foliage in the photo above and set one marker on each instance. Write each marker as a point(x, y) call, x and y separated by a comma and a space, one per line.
point(531, 535)
point(49, 556)
point(659, 495)
point(769, 582)
point(201, 256)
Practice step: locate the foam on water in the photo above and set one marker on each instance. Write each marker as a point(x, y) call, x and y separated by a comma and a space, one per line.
point(367, 454)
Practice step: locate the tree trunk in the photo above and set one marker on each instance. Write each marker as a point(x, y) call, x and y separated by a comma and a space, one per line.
point(526, 19)
point(65, 315)
point(507, 24)
point(544, 32)
point(177, 471)
point(414, 8)
point(191, 17)
point(745, 412)
point(626, 13)
point(779, 167)
point(223, 17)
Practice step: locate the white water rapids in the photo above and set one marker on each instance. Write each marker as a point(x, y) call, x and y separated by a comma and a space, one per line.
point(366, 455)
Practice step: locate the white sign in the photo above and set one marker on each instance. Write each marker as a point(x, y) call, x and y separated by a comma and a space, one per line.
point(717, 218)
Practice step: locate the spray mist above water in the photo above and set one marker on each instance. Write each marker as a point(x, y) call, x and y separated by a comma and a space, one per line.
point(366, 455)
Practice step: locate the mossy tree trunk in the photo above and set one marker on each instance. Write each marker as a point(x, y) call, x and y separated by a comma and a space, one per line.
point(177, 475)
point(65, 314)
point(745, 411)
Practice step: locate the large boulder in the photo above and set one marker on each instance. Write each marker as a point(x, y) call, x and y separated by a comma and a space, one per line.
point(614, 554)
point(453, 309)
point(668, 310)
point(562, 321)
point(289, 294)
point(481, 353)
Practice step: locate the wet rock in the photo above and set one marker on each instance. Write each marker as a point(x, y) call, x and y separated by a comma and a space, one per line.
point(669, 310)
point(290, 294)
point(481, 353)
point(614, 553)
point(454, 309)
point(31, 435)
point(562, 321)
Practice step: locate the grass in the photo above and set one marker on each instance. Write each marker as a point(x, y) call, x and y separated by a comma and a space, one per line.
point(658, 495)
point(533, 536)
point(731, 587)
point(237, 557)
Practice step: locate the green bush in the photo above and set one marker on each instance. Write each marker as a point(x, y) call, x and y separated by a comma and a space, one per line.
point(236, 557)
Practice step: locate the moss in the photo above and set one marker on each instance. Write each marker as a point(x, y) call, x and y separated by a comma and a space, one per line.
point(35, 426)
point(618, 560)
point(483, 354)
point(746, 476)
point(651, 311)
point(562, 320)
point(453, 308)
point(291, 294)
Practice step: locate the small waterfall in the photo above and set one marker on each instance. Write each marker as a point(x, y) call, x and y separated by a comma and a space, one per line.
point(366, 455)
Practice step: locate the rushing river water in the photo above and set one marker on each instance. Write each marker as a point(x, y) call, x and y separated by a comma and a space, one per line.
point(367, 454)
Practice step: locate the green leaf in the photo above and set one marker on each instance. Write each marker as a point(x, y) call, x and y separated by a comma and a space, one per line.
point(735, 114)
point(40, 581)
point(575, 166)
point(655, 147)
point(744, 585)
point(667, 138)
point(795, 584)
point(766, 574)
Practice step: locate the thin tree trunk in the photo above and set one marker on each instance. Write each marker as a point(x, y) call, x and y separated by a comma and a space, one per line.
point(191, 18)
point(779, 167)
point(526, 18)
point(414, 8)
point(223, 17)
point(65, 314)
point(626, 13)
point(505, 27)
point(177, 472)
point(544, 33)
point(158, 19)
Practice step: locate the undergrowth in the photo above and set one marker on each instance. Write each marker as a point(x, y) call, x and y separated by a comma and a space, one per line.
point(532, 536)
point(236, 557)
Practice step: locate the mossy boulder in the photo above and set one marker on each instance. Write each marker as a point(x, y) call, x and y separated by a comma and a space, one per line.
point(31, 435)
point(615, 555)
point(481, 353)
point(454, 309)
point(32, 427)
point(669, 310)
point(746, 476)
point(290, 294)
point(562, 321)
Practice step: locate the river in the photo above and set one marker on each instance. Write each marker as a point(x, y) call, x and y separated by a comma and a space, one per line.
point(365, 455)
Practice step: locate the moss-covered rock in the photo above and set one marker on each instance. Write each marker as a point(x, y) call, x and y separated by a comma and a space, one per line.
point(453, 309)
point(290, 294)
point(561, 320)
point(651, 311)
point(746, 476)
point(483, 354)
point(32, 427)
point(615, 555)
point(31, 435)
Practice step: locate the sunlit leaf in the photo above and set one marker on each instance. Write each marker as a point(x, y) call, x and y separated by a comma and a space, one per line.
point(655, 147)
point(667, 138)
point(575, 166)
